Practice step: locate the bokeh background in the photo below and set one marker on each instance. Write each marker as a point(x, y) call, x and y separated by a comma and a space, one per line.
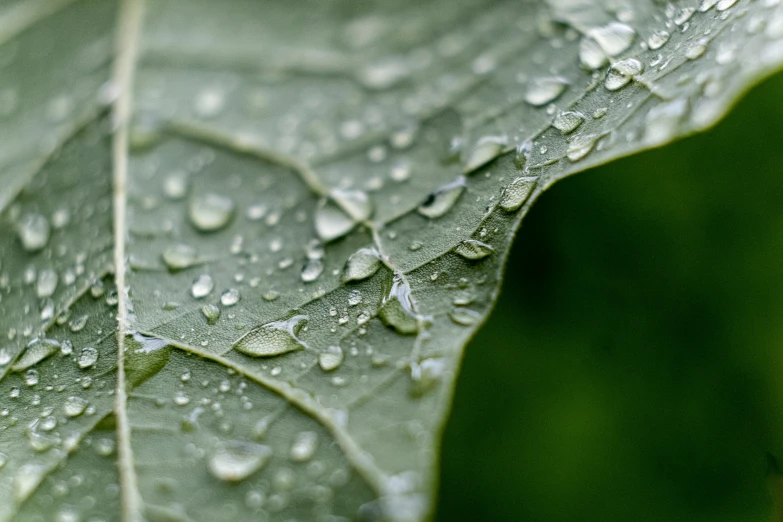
point(633, 367)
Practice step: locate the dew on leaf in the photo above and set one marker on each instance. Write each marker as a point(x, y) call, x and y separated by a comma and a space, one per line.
point(229, 297)
point(397, 310)
point(210, 212)
point(567, 122)
point(179, 256)
point(516, 193)
point(232, 461)
point(312, 269)
point(31, 377)
point(580, 146)
point(87, 358)
point(202, 286)
point(175, 185)
point(442, 199)
point(74, 406)
point(722, 5)
point(696, 50)
point(47, 282)
point(362, 264)
point(270, 339)
point(36, 351)
point(473, 249)
point(542, 91)
point(331, 359)
point(78, 323)
point(621, 73)
point(211, 313)
point(331, 221)
point(602, 43)
point(706, 5)
point(356, 203)
point(33, 231)
point(486, 149)
point(464, 316)
point(304, 446)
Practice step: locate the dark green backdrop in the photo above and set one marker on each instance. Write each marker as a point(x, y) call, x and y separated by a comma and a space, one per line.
point(633, 367)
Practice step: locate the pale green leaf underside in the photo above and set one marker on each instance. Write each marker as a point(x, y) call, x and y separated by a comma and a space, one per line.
point(255, 127)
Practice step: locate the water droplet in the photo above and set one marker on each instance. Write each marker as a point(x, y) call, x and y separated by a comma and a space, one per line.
point(706, 5)
point(35, 352)
point(202, 286)
point(464, 316)
point(87, 358)
point(486, 149)
point(78, 323)
point(516, 193)
point(567, 122)
point(33, 230)
point(621, 73)
point(397, 309)
point(74, 406)
point(331, 359)
point(658, 39)
point(725, 4)
point(175, 186)
point(47, 283)
point(473, 249)
point(179, 257)
point(362, 264)
point(312, 269)
point(683, 15)
point(696, 50)
point(442, 199)
point(209, 212)
point(31, 377)
point(304, 446)
point(542, 91)
point(356, 203)
point(211, 312)
point(235, 460)
point(331, 221)
point(181, 398)
point(426, 374)
point(580, 146)
point(230, 297)
point(104, 447)
point(602, 43)
point(275, 338)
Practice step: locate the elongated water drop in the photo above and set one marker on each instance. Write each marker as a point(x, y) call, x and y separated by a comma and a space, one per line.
point(473, 249)
point(621, 73)
point(362, 264)
point(209, 212)
point(304, 446)
point(235, 460)
point(331, 359)
point(33, 231)
point(567, 122)
point(36, 351)
point(202, 286)
point(312, 269)
point(464, 316)
point(397, 309)
point(179, 257)
point(275, 338)
point(602, 43)
point(516, 193)
point(486, 149)
point(658, 39)
point(27, 478)
point(442, 199)
point(580, 146)
point(542, 91)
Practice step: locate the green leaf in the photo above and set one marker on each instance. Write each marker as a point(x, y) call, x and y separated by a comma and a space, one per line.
point(244, 244)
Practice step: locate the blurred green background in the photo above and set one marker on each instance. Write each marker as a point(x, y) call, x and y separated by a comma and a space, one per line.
point(633, 367)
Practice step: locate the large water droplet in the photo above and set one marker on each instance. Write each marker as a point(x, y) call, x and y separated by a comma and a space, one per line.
point(486, 149)
point(304, 446)
point(211, 313)
point(33, 230)
point(209, 212)
point(580, 146)
point(273, 338)
point(542, 91)
point(362, 264)
point(35, 352)
point(230, 297)
point(443, 199)
point(397, 309)
point(235, 460)
point(202, 286)
point(331, 359)
point(516, 193)
point(179, 257)
point(331, 221)
point(621, 73)
point(567, 122)
point(74, 406)
point(87, 358)
point(658, 39)
point(602, 43)
point(473, 249)
point(312, 269)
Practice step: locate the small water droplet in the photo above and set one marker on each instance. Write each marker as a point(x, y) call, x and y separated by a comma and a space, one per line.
point(275, 338)
point(580, 146)
point(87, 358)
point(209, 212)
point(202, 286)
point(312, 269)
point(31, 377)
point(621, 73)
point(542, 91)
point(722, 5)
point(696, 50)
point(516, 193)
point(464, 316)
point(658, 39)
point(331, 359)
point(74, 406)
point(175, 186)
point(442, 199)
point(486, 149)
point(473, 249)
point(567, 122)
point(33, 231)
point(179, 256)
point(47, 283)
point(211, 312)
point(232, 461)
point(230, 297)
point(78, 323)
point(304, 446)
